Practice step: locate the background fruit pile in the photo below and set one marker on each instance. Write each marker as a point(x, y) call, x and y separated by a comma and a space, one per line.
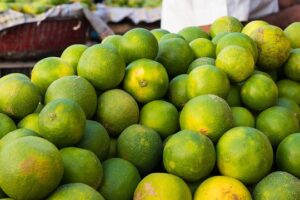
point(158, 115)
point(35, 7)
point(134, 3)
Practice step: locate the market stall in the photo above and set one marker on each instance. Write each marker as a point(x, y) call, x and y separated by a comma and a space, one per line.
point(147, 114)
point(39, 33)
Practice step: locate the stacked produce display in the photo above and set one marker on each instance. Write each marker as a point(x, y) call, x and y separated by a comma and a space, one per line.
point(134, 3)
point(154, 115)
point(35, 7)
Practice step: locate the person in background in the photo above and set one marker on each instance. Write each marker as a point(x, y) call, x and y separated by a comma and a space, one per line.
point(177, 14)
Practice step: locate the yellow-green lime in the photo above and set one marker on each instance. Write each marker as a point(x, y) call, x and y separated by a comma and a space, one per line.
point(289, 104)
point(207, 79)
point(234, 98)
point(277, 122)
point(34, 168)
point(151, 116)
point(237, 62)
point(120, 179)
point(31, 122)
point(290, 89)
point(189, 155)
point(203, 47)
point(15, 134)
point(163, 186)
point(225, 24)
point(291, 32)
point(222, 187)
point(159, 33)
point(95, 139)
point(81, 166)
point(277, 185)
point(191, 33)
point(75, 191)
point(261, 72)
point(201, 61)
point(146, 80)
point(207, 114)
point(292, 66)
point(140, 145)
point(252, 26)
point(273, 46)
point(72, 54)
point(7, 125)
point(102, 66)
point(170, 36)
point(113, 42)
point(117, 110)
point(175, 55)
point(177, 91)
point(259, 92)
point(218, 37)
point(18, 95)
point(242, 117)
point(49, 69)
point(238, 39)
point(138, 43)
point(62, 122)
point(287, 154)
point(244, 153)
point(75, 88)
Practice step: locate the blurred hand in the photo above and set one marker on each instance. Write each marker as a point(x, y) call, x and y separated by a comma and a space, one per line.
point(284, 17)
point(205, 28)
point(286, 3)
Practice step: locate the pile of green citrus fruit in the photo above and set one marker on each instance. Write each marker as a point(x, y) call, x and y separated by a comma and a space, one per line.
point(153, 115)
